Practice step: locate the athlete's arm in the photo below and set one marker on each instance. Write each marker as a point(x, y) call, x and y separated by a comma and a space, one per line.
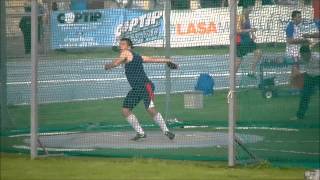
point(118, 61)
point(147, 59)
point(170, 64)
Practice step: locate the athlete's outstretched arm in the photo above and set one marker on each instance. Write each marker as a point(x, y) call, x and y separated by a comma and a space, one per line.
point(169, 63)
point(117, 62)
point(148, 59)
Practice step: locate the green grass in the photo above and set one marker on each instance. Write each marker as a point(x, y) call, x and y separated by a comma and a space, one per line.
point(253, 110)
point(20, 167)
point(287, 147)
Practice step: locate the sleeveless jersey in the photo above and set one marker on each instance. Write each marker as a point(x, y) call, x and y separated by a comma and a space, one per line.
point(135, 73)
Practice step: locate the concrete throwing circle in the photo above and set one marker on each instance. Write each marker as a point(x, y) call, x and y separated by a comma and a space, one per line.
point(154, 140)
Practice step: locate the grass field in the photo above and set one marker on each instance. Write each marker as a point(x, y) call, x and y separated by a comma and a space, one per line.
point(299, 147)
point(20, 167)
point(253, 110)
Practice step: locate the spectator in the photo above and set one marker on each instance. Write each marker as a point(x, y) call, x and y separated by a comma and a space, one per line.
point(294, 37)
point(311, 79)
point(294, 40)
point(55, 6)
point(25, 27)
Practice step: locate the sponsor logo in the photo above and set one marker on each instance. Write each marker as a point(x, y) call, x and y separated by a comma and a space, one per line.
point(77, 17)
point(196, 28)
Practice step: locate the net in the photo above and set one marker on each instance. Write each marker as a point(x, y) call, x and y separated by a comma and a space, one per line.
point(80, 103)
point(274, 78)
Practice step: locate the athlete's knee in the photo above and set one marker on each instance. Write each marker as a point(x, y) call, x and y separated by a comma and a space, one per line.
point(126, 112)
point(152, 111)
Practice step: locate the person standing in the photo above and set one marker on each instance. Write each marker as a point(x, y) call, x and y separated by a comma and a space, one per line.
point(294, 40)
point(311, 79)
point(246, 40)
point(142, 88)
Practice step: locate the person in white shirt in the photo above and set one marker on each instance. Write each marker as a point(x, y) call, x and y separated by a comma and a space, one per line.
point(311, 79)
point(294, 40)
point(294, 37)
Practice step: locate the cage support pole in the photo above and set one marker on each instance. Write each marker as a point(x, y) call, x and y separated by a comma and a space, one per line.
point(34, 77)
point(3, 65)
point(167, 12)
point(232, 81)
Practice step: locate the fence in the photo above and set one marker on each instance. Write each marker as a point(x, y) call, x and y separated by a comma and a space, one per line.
point(77, 103)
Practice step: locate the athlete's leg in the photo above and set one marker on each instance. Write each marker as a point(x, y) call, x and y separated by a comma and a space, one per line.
point(131, 100)
point(238, 63)
point(239, 57)
point(149, 105)
point(158, 119)
point(257, 58)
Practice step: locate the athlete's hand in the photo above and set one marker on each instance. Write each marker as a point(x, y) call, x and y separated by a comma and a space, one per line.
point(172, 65)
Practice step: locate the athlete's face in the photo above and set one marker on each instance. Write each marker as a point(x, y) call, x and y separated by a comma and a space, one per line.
point(123, 45)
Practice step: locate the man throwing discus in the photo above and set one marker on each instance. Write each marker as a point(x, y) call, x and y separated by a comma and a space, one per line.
point(142, 87)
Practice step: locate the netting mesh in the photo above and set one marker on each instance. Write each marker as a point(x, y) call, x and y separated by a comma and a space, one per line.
point(80, 103)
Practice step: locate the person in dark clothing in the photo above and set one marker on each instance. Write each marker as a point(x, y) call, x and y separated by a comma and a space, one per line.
point(142, 88)
point(311, 79)
point(25, 27)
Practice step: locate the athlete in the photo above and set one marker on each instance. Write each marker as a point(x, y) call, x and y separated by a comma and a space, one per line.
point(142, 87)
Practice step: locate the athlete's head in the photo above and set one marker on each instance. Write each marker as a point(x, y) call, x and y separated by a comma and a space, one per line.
point(305, 53)
point(296, 17)
point(125, 43)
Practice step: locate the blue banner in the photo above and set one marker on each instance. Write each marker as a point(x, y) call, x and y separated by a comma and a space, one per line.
point(104, 27)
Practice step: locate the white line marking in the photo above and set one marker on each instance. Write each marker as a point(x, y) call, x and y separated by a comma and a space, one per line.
point(260, 128)
point(52, 149)
point(46, 134)
point(188, 127)
point(286, 151)
point(288, 141)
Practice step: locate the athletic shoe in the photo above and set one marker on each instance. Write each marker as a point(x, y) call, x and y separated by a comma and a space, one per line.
point(170, 135)
point(138, 137)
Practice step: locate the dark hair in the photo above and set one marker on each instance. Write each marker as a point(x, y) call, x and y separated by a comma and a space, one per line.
point(305, 49)
point(128, 40)
point(295, 13)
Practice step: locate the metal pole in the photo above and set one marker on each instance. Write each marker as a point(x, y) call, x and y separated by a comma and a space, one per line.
point(34, 90)
point(167, 12)
point(3, 65)
point(232, 81)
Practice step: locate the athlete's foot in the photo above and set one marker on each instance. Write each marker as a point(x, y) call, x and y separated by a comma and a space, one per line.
point(170, 135)
point(138, 137)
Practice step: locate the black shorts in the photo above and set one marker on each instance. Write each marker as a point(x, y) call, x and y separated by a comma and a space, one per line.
point(247, 45)
point(244, 49)
point(135, 95)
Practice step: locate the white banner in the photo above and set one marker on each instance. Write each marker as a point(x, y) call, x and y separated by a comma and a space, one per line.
point(210, 26)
